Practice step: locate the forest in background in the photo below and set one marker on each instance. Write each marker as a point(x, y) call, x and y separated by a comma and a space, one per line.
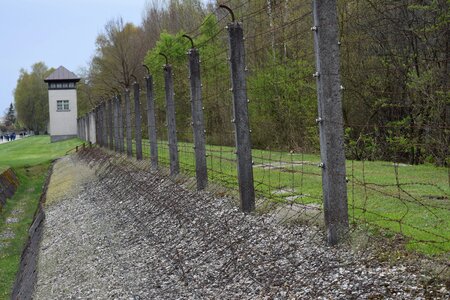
point(394, 71)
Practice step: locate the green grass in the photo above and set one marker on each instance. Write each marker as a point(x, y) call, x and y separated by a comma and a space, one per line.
point(411, 200)
point(33, 151)
point(30, 158)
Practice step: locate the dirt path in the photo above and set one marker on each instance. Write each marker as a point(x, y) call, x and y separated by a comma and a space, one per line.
point(126, 234)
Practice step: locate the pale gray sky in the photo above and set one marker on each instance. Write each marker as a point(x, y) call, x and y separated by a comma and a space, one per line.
point(57, 32)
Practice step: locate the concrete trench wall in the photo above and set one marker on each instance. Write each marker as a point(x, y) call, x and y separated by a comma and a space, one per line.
point(8, 186)
point(26, 276)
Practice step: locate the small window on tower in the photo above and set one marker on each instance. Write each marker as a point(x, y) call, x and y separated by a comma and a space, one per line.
point(62, 105)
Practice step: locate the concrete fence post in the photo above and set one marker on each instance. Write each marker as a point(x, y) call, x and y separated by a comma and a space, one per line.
point(330, 119)
point(104, 125)
point(100, 134)
point(171, 124)
point(128, 123)
point(83, 124)
point(79, 128)
point(241, 118)
point(137, 121)
point(83, 129)
point(198, 126)
point(110, 125)
point(93, 127)
point(88, 126)
point(96, 123)
point(116, 123)
point(100, 125)
point(121, 132)
point(151, 120)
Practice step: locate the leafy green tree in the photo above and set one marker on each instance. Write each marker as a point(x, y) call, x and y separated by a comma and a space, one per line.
point(174, 47)
point(31, 98)
point(118, 58)
point(10, 116)
point(395, 73)
point(215, 75)
point(283, 104)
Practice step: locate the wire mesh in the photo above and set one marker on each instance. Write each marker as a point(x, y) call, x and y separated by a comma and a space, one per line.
point(389, 197)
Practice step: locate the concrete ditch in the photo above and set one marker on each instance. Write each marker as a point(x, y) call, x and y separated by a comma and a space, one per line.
point(26, 276)
point(8, 186)
point(59, 184)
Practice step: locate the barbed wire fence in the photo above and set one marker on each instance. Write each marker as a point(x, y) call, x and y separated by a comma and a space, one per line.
point(342, 197)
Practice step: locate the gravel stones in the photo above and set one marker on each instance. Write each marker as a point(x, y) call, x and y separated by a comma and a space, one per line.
point(129, 234)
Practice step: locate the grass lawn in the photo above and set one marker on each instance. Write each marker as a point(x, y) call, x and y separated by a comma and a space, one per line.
point(389, 198)
point(30, 159)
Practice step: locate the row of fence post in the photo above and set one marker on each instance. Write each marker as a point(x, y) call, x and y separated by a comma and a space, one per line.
point(109, 118)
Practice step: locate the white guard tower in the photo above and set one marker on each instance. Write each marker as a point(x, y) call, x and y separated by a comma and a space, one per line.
point(62, 104)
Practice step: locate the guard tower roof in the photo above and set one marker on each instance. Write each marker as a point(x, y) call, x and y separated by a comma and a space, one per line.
point(62, 74)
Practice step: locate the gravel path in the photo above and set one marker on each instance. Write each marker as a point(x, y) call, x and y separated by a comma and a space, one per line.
point(128, 234)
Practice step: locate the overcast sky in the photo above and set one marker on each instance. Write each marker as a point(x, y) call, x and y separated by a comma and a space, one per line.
point(57, 32)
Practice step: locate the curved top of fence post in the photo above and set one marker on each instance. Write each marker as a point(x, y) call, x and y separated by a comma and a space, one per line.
point(148, 70)
point(165, 56)
point(229, 10)
point(190, 39)
point(134, 77)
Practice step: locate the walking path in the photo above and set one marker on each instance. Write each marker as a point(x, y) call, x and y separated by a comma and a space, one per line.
point(112, 231)
point(4, 140)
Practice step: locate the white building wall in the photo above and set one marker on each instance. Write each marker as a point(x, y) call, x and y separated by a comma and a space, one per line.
point(63, 123)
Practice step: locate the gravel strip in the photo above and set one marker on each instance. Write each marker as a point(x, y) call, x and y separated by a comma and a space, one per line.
point(129, 234)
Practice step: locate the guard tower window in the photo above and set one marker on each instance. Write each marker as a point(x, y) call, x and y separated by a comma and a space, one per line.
point(62, 105)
